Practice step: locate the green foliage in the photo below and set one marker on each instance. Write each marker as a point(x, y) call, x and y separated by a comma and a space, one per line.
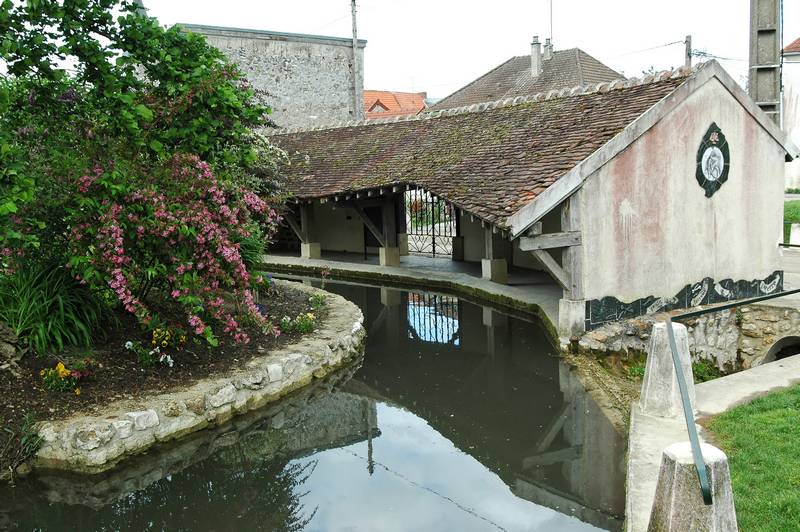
point(705, 370)
point(303, 323)
point(20, 443)
point(101, 166)
point(760, 439)
point(318, 302)
point(792, 191)
point(49, 309)
point(63, 379)
point(636, 370)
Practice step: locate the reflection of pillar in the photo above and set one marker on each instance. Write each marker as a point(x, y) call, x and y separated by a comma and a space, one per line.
point(392, 303)
point(368, 408)
point(497, 331)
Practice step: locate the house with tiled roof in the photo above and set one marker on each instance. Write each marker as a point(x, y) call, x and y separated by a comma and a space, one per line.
point(791, 106)
point(384, 104)
point(633, 196)
point(542, 71)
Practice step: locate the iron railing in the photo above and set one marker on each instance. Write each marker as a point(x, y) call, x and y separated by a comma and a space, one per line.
point(431, 223)
point(697, 453)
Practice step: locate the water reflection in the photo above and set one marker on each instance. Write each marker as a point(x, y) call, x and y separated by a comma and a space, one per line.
point(459, 418)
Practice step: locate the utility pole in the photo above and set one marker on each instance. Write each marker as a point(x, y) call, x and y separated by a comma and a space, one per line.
point(356, 96)
point(765, 56)
point(688, 43)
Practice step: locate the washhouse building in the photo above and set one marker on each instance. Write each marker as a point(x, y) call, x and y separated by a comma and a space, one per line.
point(635, 196)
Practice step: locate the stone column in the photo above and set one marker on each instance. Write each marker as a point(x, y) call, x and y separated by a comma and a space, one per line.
point(389, 255)
point(402, 226)
point(309, 248)
point(494, 266)
point(458, 239)
point(678, 504)
point(660, 393)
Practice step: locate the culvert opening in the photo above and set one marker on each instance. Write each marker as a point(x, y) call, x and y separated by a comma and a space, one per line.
point(785, 347)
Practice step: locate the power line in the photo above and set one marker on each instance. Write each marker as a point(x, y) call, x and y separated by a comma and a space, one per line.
point(651, 48)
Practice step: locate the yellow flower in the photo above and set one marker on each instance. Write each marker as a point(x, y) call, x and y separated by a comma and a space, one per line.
point(41, 373)
point(77, 391)
point(164, 343)
point(62, 371)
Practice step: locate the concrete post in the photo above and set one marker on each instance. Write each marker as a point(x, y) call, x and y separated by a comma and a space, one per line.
point(402, 243)
point(310, 250)
point(389, 256)
point(494, 267)
point(765, 56)
point(660, 393)
point(571, 317)
point(678, 504)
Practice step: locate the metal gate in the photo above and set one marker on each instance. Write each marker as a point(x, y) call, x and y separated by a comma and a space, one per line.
point(431, 223)
point(433, 318)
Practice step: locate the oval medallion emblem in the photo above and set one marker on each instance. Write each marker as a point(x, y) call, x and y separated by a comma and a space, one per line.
point(713, 160)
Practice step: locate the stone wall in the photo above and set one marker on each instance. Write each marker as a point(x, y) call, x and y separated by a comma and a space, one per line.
point(732, 339)
point(92, 444)
point(306, 79)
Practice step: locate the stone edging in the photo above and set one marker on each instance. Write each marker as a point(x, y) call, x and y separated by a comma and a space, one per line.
point(92, 444)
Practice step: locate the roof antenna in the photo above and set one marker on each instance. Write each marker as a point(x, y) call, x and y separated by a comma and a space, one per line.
point(551, 20)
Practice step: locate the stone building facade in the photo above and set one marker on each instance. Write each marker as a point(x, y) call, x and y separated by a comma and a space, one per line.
point(308, 80)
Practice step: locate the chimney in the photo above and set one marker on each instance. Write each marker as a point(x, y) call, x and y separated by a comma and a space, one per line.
point(536, 57)
point(548, 49)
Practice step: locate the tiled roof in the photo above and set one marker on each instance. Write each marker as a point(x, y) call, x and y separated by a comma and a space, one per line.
point(394, 103)
point(489, 159)
point(793, 48)
point(567, 68)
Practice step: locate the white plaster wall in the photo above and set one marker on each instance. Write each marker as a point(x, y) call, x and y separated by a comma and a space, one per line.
point(335, 232)
point(648, 228)
point(474, 242)
point(791, 114)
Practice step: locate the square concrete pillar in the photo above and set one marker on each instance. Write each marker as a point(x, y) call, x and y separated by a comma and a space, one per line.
point(678, 504)
point(495, 270)
point(660, 394)
point(389, 256)
point(310, 250)
point(402, 243)
point(571, 317)
point(458, 248)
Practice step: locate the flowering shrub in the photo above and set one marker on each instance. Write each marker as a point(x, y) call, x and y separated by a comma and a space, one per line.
point(318, 301)
point(63, 379)
point(303, 323)
point(177, 233)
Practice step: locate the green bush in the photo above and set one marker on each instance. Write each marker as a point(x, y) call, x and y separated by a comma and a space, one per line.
point(48, 309)
point(705, 370)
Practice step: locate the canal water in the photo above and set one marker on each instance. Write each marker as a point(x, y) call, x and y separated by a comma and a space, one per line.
point(459, 418)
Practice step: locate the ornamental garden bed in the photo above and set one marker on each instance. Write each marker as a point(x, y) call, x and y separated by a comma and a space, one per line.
point(112, 372)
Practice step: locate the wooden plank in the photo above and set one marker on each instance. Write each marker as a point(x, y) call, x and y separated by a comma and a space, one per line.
point(572, 257)
point(370, 226)
point(552, 267)
point(293, 225)
point(550, 241)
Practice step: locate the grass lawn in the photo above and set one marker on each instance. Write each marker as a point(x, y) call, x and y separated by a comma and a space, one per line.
point(762, 441)
point(791, 213)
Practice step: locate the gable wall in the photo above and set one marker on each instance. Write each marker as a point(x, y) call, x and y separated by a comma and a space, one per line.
point(649, 230)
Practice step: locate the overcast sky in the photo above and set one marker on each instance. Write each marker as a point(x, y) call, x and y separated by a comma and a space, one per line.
point(439, 45)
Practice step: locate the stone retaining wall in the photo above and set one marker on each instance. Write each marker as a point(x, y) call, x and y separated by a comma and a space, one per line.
point(92, 444)
point(732, 339)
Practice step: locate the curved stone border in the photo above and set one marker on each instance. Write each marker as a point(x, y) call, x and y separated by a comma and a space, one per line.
point(92, 444)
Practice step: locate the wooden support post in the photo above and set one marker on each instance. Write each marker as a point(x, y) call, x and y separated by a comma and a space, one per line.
point(572, 256)
point(290, 219)
point(389, 218)
point(307, 222)
point(376, 232)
